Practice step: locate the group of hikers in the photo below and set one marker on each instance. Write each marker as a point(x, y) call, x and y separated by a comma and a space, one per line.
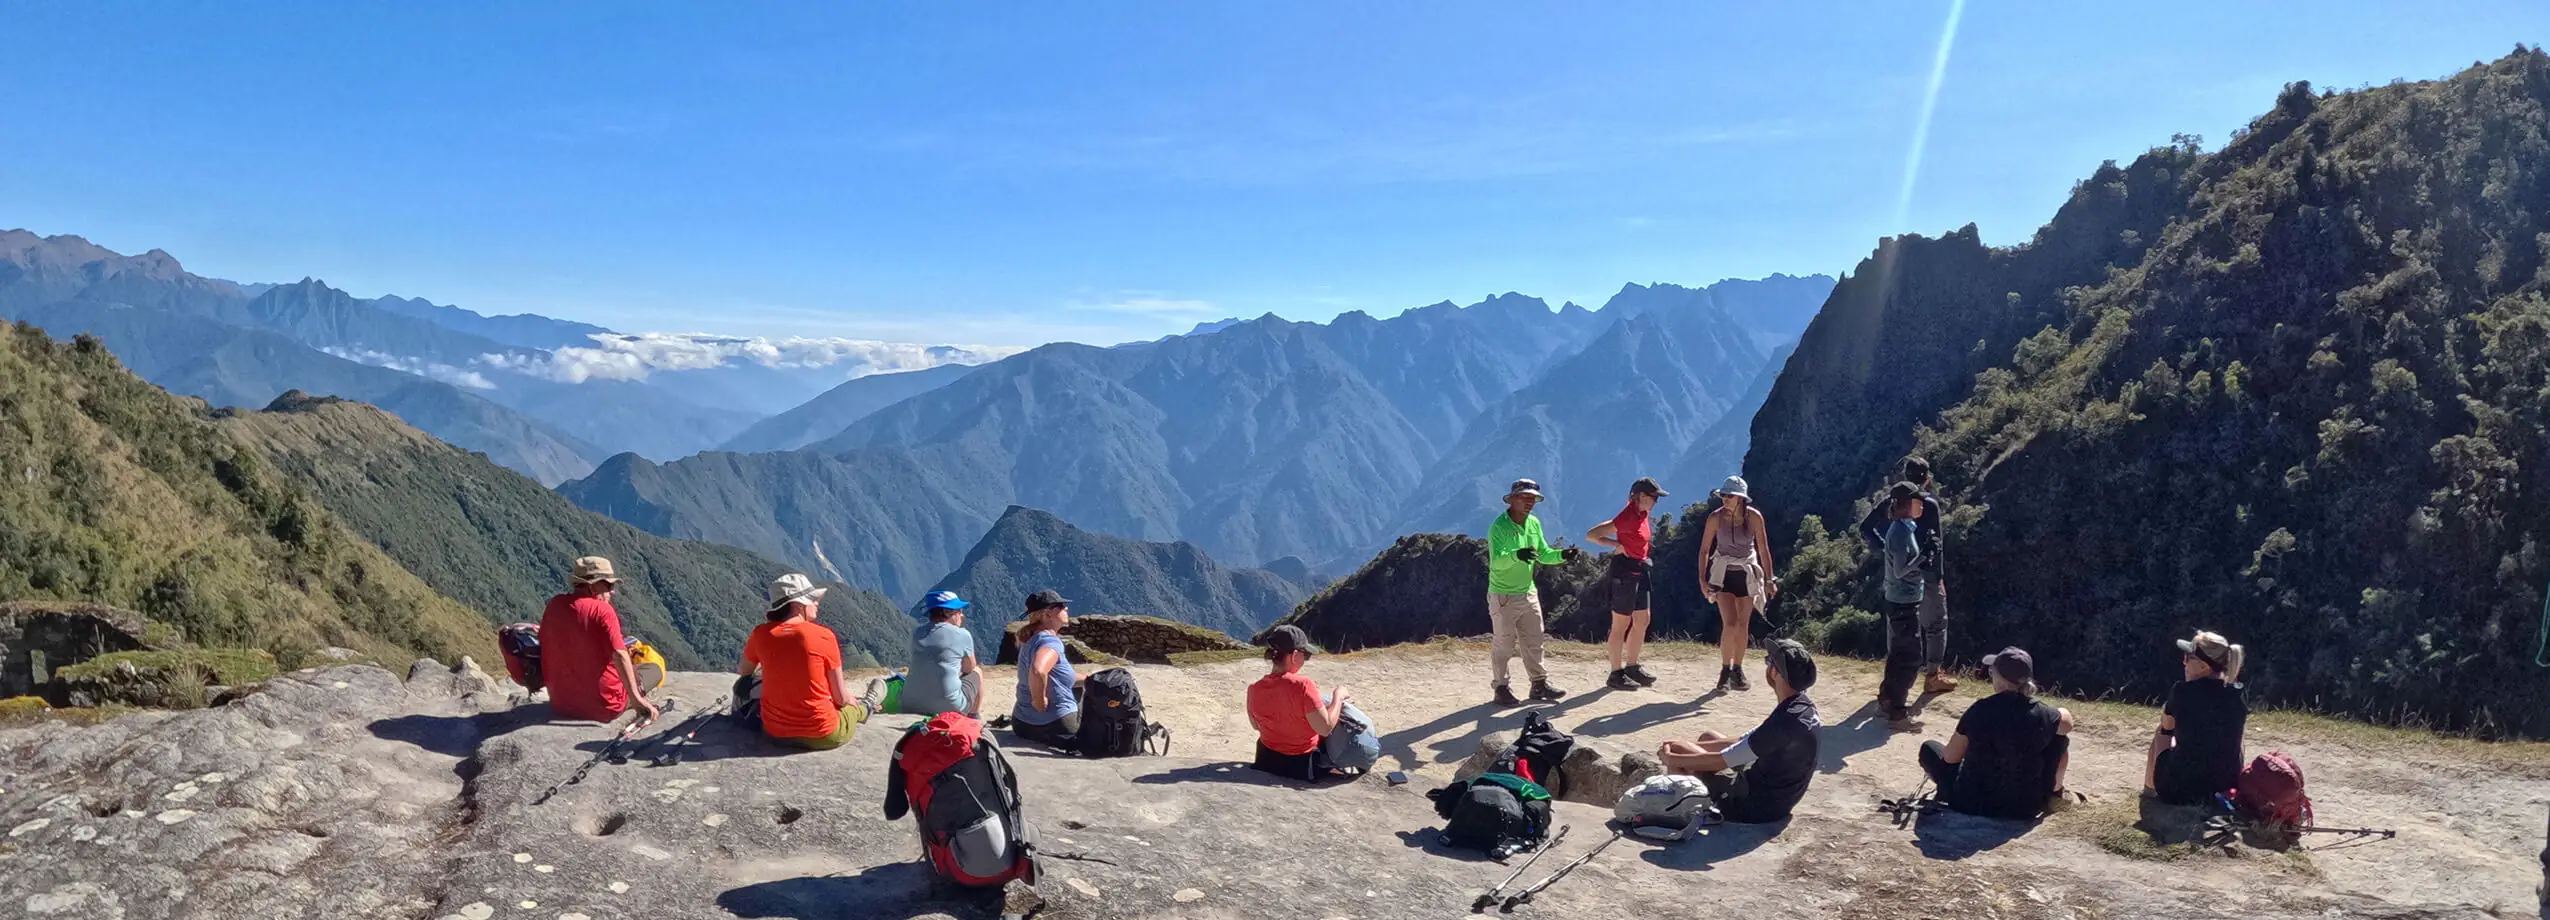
point(2010, 751)
point(2006, 758)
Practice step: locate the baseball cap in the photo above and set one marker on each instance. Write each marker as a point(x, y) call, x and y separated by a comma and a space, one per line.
point(791, 588)
point(943, 600)
point(1046, 598)
point(2210, 646)
point(2012, 664)
point(1903, 491)
point(1646, 485)
point(1791, 660)
point(1287, 638)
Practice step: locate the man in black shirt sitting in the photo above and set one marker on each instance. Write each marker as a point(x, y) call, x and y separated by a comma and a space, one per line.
point(1760, 777)
point(2008, 755)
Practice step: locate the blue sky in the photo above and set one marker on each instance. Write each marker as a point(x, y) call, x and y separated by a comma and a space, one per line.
point(1018, 173)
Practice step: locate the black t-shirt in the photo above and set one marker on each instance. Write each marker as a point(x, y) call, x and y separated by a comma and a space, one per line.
point(1784, 762)
point(2211, 715)
point(2005, 773)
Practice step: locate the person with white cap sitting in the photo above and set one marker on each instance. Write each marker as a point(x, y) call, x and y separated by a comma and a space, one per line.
point(945, 676)
point(2010, 751)
point(582, 654)
point(803, 700)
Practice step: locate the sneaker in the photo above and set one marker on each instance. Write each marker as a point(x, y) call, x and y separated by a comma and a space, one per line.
point(1505, 696)
point(1638, 672)
point(1939, 682)
point(874, 699)
point(1741, 683)
point(1541, 690)
point(1620, 680)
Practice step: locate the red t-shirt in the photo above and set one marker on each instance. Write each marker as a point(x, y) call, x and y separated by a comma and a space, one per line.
point(797, 660)
point(579, 636)
point(1633, 531)
point(1280, 705)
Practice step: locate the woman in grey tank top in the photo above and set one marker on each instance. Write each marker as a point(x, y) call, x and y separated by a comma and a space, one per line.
point(1736, 575)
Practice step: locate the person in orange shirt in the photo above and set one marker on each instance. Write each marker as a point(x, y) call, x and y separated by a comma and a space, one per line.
point(1290, 716)
point(803, 701)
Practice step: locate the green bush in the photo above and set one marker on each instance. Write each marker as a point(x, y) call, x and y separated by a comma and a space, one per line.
point(170, 679)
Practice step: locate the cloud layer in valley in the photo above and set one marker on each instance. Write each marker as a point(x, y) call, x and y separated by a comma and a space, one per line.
point(624, 356)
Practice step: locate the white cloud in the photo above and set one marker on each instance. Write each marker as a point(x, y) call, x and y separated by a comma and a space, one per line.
point(635, 356)
point(418, 366)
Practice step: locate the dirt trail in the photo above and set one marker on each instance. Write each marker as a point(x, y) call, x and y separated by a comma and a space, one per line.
point(2469, 816)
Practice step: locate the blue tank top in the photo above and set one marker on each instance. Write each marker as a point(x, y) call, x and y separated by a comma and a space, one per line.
point(1058, 682)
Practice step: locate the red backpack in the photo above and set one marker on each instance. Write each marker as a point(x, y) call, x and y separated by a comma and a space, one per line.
point(964, 798)
point(520, 643)
point(2271, 791)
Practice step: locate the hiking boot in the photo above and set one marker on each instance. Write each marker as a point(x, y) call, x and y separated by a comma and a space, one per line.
point(1740, 683)
point(1939, 682)
point(1638, 672)
point(1901, 719)
point(1541, 690)
point(1505, 697)
point(1726, 679)
point(1620, 680)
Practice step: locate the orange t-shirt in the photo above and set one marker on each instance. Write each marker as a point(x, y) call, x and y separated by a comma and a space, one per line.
point(1280, 705)
point(797, 661)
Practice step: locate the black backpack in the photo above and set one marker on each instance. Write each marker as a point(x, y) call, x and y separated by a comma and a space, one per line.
point(1538, 754)
point(1111, 718)
point(1497, 813)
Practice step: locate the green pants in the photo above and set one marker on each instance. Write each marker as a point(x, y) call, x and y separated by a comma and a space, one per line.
point(851, 717)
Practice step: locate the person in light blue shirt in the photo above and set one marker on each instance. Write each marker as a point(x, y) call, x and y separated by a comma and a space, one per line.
point(1904, 587)
point(944, 676)
point(1047, 710)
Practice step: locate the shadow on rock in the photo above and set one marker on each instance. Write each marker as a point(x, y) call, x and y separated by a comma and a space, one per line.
point(1482, 719)
point(723, 738)
point(1859, 732)
point(1716, 845)
point(1955, 835)
point(889, 892)
point(1632, 721)
point(1431, 840)
point(1235, 772)
point(455, 736)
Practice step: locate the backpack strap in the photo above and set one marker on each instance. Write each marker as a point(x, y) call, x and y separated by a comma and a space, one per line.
point(1151, 730)
point(898, 800)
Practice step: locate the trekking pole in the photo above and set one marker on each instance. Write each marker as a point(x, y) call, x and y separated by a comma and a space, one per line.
point(1492, 894)
point(598, 756)
point(1524, 896)
point(1911, 806)
point(659, 738)
point(672, 755)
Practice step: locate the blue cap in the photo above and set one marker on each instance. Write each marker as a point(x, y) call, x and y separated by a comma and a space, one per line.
point(943, 600)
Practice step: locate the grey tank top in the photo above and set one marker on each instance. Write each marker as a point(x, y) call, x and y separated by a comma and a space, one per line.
point(1735, 540)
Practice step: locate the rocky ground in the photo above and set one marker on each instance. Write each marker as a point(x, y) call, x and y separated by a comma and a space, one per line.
point(351, 793)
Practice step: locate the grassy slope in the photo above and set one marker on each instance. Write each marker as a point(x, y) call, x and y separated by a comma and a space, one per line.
point(502, 544)
point(119, 493)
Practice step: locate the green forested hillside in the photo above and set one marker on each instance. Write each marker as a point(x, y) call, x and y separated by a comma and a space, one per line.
point(502, 544)
point(2295, 390)
point(1029, 550)
point(115, 492)
point(1423, 586)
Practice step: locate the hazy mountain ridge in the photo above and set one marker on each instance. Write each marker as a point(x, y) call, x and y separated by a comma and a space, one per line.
point(1028, 550)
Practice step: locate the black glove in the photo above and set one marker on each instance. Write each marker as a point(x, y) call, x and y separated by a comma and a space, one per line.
point(1528, 554)
point(1570, 554)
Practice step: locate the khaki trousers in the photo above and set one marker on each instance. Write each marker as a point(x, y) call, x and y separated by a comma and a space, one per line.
point(1516, 618)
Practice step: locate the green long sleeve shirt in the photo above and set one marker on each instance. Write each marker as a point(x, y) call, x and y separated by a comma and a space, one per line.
point(1509, 575)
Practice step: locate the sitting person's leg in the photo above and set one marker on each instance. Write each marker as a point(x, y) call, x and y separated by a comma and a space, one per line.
point(971, 685)
point(1684, 756)
point(1303, 767)
point(1062, 733)
point(2058, 758)
point(1934, 761)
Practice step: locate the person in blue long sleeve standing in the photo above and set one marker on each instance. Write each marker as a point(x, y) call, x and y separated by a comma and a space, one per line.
point(1903, 590)
point(1515, 548)
point(1934, 568)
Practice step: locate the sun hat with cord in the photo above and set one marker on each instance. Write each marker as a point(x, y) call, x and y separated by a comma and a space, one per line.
point(793, 588)
point(1523, 487)
point(1734, 486)
point(591, 570)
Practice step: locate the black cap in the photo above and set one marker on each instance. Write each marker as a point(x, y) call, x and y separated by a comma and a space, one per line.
point(1903, 491)
point(1287, 638)
point(1646, 485)
point(2012, 664)
point(1794, 664)
point(1046, 598)
point(1916, 469)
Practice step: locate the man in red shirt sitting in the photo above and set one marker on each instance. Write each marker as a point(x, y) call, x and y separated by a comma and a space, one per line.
point(803, 701)
point(582, 655)
point(1288, 712)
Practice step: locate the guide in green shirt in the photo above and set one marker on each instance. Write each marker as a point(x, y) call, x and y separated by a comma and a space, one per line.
point(1515, 548)
point(1509, 566)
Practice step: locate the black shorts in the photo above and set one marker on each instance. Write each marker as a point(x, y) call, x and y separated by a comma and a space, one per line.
point(1625, 585)
point(1309, 768)
point(1738, 583)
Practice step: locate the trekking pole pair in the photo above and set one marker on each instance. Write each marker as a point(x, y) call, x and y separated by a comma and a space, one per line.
point(1524, 896)
point(672, 753)
point(1911, 806)
point(1493, 894)
point(610, 752)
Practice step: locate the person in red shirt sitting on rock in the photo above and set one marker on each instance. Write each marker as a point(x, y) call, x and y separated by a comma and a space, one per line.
point(1290, 716)
point(583, 657)
point(803, 701)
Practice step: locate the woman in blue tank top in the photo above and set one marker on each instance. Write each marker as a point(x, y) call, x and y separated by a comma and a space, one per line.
point(1048, 706)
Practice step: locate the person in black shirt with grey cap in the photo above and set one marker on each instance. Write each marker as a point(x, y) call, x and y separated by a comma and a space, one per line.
point(2010, 751)
point(1760, 777)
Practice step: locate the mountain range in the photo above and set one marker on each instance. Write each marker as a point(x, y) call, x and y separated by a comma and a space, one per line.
point(1261, 440)
point(2292, 390)
point(1029, 550)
